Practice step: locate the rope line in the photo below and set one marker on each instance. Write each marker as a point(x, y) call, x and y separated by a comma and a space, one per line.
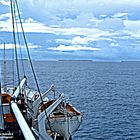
point(14, 37)
point(28, 52)
point(25, 41)
point(19, 43)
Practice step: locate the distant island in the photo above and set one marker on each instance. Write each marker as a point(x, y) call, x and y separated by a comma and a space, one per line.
point(75, 60)
point(130, 61)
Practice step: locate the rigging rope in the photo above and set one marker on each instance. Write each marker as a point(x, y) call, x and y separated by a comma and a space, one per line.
point(25, 41)
point(31, 64)
point(13, 67)
point(18, 39)
point(4, 65)
point(14, 38)
point(26, 45)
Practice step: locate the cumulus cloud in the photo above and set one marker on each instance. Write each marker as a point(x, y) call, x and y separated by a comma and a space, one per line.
point(91, 38)
point(87, 24)
point(31, 25)
point(62, 9)
point(73, 48)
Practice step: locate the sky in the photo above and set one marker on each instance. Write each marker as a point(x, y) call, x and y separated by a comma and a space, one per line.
point(102, 30)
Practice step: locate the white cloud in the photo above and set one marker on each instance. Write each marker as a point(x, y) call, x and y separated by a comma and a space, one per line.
point(79, 4)
point(79, 40)
point(32, 46)
point(7, 46)
point(73, 48)
point(119, 15)
point(88, 7)
point(11, 46)
point(30, 20)
point(114, 44)
point(63, 41)
point(90, 38)
point(6, 15)
point(135, 34)
point(84, 21)
point(132, 24)
point(5, 2)
point(80, 13)
point(31, 25)
point(5, 22)
point(103, 16)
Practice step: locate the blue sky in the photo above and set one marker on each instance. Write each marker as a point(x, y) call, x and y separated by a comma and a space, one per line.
point(77, 29)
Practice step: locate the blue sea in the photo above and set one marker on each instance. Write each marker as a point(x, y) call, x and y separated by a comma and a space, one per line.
point(108, 94)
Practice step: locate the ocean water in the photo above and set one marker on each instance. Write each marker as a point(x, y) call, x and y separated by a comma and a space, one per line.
point(108, 93)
